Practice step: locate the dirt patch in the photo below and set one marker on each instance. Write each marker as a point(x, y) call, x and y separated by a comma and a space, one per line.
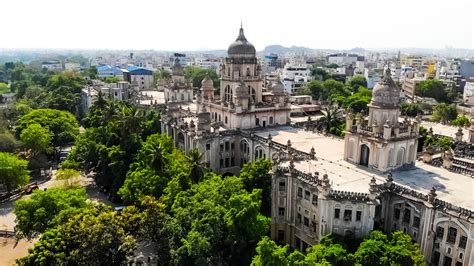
point(11, 249)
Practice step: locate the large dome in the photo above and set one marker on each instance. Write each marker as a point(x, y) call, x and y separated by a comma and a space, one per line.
point(241, 47)
point(386, 93)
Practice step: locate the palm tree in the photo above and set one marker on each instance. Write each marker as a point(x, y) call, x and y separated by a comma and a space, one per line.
point(129, 120)
point(332, 117)
point(197, 165)
point(153, 154)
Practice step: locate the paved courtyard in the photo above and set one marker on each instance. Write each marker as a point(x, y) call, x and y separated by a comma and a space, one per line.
point(451, 187)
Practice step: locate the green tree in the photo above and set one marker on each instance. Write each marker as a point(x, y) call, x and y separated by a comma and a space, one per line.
point(461, 121)
point(92, 235)
point(444, 113)
point(379, 249)
point(216, 221)
point(161, 74)
point(196, 75)
point(256, 175)
point(198, 168)
point(37, 139)
point(45, 208)
point(332, 117)
point(111, 79)
point(13, 171)
point(411, 109)
point(319, 73)
point(4, 88)
point(8, 143)
point(358, 81)
point(92, 72)
point(433, 88)
point(269, 253)
point(69, 177)
point(142, 182)
point(61, 124)
point(333, 66)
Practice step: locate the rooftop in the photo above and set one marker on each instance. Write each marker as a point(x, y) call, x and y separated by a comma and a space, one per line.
point(454, 188)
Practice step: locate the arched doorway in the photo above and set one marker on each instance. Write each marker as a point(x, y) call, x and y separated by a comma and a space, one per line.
point(364, 155)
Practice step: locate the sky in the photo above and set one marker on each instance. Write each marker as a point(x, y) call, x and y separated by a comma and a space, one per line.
point(176, 25)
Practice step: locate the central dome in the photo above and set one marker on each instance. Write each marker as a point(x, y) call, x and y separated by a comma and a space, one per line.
point(241, 47)
point(386, 93)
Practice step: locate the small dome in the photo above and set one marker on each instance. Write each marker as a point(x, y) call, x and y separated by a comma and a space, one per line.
point(207, 83)
point(241, 47)
point(242, 91)
point(278, 88)
point(386, 93)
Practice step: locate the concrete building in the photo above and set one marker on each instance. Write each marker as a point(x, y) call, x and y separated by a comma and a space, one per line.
point(71, 66)
point(140, 76)
point(52, 65)
point(107, 71)
point(295, 75)
point(409, 85)
point(468, 94)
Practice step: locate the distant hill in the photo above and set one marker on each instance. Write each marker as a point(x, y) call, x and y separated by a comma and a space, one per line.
point(281, 50)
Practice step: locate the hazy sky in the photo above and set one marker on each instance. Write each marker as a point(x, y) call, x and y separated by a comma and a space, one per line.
point(206, 24)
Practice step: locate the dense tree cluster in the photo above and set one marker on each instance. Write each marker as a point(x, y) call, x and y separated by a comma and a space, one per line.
point(444, 113)
point(433, 88)
point(196, 74)
point(13, 171)
point(376, 249)
point(114, 135)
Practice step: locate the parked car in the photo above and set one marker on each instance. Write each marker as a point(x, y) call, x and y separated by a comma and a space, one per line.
point(31, 187)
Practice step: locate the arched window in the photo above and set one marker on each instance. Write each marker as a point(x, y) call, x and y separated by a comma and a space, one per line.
point(248, 72)
point(259, 153)
point(227, 94)
point(401, 156)
point(228, 71)
point(225, 119)
point(270, 120)
point(252, 93)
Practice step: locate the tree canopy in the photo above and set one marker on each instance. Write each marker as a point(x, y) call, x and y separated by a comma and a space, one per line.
point(444, 113)
point(197, 74)
point(376, 249)
point(92, 235)
point(433, 88)
point(13, 171)
point(61, 124)
point(44, 209)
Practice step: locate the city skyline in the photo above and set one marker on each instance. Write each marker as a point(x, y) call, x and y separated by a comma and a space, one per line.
point(183, 25)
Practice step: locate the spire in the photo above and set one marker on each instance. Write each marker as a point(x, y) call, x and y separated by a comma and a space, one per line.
point(241, 33)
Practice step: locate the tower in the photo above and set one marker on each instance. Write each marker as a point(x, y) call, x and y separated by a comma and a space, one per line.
point(380, 141)
point(241, 67)
point(177, 88)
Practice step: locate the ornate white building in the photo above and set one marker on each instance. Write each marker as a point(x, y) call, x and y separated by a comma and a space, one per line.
point(316, 188)
point(381, 141)
point(177, 89)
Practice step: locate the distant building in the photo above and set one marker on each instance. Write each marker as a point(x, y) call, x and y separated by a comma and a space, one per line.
point(372, 77)
point(468, 94)
point(120, 91)
point(466, 69)
point(70, 66)
point(409, 85)
point(141, 76)
point(52, 65)
point(295, 75)
point(108, 71)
